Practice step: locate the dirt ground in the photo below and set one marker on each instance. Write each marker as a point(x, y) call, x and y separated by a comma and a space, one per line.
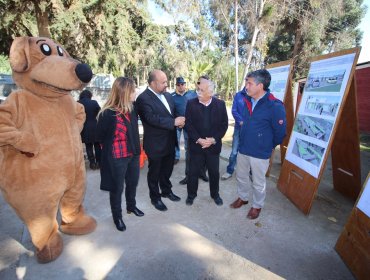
point(203, 241)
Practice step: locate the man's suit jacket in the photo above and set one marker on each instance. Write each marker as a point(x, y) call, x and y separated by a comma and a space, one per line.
point(194, 124)
point(159, 124)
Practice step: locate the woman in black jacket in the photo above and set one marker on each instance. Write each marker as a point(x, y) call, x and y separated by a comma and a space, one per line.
point(88, 134)
point(118, 134)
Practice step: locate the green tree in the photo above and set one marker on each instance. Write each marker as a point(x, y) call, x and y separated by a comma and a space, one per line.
point(311, 27)
point(119, 37)
point(199, 68)
point(4, 65)
point(109, 35)
point(342, 32)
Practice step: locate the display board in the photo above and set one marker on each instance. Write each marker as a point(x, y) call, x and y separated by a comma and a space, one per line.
point(281, 88)
point(314, 124)
point(363, 203)
point(330, 81)
point(280, 74)
point(353, 244)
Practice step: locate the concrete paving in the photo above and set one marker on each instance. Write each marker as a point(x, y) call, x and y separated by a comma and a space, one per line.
point(203, 241)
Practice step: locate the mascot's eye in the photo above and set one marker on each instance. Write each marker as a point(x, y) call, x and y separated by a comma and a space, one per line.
point(46, 50)
point(60, 51)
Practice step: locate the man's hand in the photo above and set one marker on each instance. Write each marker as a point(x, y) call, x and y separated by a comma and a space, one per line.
point(211, 140)
point(180, 122)
point(201, 141)
point(206, 143)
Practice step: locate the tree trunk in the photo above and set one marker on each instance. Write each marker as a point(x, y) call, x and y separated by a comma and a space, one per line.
point(297, 50)
point(250, 54)
point(259, 14)
point(297, 43)
point(42, 18)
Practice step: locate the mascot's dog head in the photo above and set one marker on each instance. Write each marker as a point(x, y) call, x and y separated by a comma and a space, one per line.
point(43, 67)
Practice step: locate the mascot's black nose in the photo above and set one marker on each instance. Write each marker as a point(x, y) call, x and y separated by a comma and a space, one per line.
point(83, 72)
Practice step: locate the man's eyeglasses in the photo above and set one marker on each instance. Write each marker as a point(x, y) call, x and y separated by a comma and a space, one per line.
point(182, 84)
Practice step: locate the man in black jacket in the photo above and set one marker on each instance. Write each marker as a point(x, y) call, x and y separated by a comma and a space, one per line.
point(157, 113)
point(206, 124)
point(88, 133)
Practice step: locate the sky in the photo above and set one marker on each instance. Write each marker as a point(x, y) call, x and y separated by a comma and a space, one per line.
point(163, 18)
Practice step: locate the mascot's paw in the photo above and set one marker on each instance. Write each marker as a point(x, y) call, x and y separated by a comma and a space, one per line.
point(82, 225)
point(51, 250)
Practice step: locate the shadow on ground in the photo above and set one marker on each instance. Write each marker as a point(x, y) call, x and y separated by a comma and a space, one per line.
point(202, 241)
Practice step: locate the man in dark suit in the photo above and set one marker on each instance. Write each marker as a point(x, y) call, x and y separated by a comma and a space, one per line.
point(206, 124)
point(157, 113)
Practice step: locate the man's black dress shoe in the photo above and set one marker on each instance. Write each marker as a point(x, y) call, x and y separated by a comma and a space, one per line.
point(184, 181)
point(171, 196)
point(218, 201)
point(120, 225)
point(189, 201)
point(159, 205)
point(204, 177)
point(136, 211)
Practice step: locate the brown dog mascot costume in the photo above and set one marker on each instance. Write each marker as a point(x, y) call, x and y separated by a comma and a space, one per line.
point(41, 159)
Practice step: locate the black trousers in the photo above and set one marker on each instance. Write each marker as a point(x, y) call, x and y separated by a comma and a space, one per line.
point(159, 173)
point(124, 171)
point(90, 148)
point(197, 162)
point(203, 170)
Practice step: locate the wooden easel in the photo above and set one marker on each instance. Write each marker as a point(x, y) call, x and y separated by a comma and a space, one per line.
point(298, 185)
point(347, 173)
point(288, 104)
point(353, 245)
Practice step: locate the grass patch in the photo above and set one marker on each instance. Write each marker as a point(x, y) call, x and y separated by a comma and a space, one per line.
point(365, 142)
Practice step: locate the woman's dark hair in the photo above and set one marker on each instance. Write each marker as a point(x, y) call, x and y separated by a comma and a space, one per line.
point(85, 94)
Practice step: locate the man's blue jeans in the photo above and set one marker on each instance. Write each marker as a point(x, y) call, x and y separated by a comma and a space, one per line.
point(234, 151)
point(177, 147)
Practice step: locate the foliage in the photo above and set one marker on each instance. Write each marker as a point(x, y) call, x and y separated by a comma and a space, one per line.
point(199, 68)
point(365, 142)
point(16, 19)
point(4, 65)
point(119, 37)
point(309, 28)
point(113, 36)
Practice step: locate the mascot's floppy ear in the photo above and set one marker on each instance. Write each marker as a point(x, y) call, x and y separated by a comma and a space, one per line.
point(19, 56)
